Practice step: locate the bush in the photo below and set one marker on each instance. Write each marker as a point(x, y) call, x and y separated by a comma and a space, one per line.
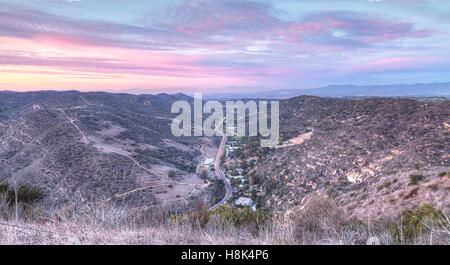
point(4, 187)
point(204, 174)
point(322, 221)
point(25, 194)
point(415, 178)
point(246, 217)
point(199, 217)
point(414, 224)
point(171, 174)
point(442, 174)
point(385, 185)
point(317, 217)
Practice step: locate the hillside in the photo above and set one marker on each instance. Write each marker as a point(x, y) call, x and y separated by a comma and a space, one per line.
point(89, 147)
point(374, 157)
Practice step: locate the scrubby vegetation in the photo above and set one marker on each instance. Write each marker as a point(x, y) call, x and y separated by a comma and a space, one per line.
point(426, 220)
point(415, 178)
point(321, 221)
point(120, 131)
point(25, 194)
point(441, 174)
point(171, 174)
point(246, 217)
point(385, 185)
point(26, 197)
point(218, 190)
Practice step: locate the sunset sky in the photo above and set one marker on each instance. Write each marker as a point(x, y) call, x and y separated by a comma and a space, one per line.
point(221, 46)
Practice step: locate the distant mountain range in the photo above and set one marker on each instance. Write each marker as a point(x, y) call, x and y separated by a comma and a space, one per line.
point(338, 91)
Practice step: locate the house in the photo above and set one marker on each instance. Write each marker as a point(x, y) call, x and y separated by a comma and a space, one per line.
point(208, 161)
point(245, 201)
point(230, 149)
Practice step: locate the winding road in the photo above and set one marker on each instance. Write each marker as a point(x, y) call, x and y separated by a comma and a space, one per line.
point(220, 174)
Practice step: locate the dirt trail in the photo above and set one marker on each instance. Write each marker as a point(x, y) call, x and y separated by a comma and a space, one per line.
point(112, 150)
point(123, 153)
point(84, 138)
point(87, 102)
point(159, 186)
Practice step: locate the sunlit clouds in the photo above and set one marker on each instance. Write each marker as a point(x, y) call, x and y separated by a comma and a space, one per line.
point(186, 46)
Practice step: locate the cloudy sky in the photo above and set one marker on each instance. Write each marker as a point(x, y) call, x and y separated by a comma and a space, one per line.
point(221, 46)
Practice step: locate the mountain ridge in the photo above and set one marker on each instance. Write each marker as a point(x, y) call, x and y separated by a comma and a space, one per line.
point(338, 91)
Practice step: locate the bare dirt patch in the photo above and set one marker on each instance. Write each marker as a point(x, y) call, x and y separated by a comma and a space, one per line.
point(297, 140)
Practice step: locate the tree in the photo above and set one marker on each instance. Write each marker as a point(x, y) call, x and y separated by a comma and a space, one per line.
point(236, 181)
point(171, 174)
point(254, 194)
point(204, 174)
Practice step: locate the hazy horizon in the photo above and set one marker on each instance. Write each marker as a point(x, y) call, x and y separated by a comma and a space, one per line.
point(402, 90)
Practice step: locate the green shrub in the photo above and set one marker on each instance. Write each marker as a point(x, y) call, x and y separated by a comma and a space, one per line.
point(415, 178)
point(226, 215)
point(385, 185)
point(171, 174)
point(442, 174)
point(414, 223)
point(241, 217)
point(25, 194)
point(4, 187)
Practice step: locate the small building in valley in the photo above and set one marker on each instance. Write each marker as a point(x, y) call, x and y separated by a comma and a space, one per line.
point(245, 201)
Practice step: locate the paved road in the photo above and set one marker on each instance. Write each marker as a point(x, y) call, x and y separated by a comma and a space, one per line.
point(220, 174)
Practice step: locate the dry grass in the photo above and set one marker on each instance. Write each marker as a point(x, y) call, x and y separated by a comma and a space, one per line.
point(320, 222)
point(112, 225)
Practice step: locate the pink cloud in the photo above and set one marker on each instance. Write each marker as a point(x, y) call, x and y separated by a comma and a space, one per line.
point(211, 40)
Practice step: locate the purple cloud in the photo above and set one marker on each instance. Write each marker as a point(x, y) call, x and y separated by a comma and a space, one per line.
point(214, 24)
point(251, 40)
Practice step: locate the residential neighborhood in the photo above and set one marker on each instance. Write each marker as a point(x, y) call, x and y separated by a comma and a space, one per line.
point(245, 192)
